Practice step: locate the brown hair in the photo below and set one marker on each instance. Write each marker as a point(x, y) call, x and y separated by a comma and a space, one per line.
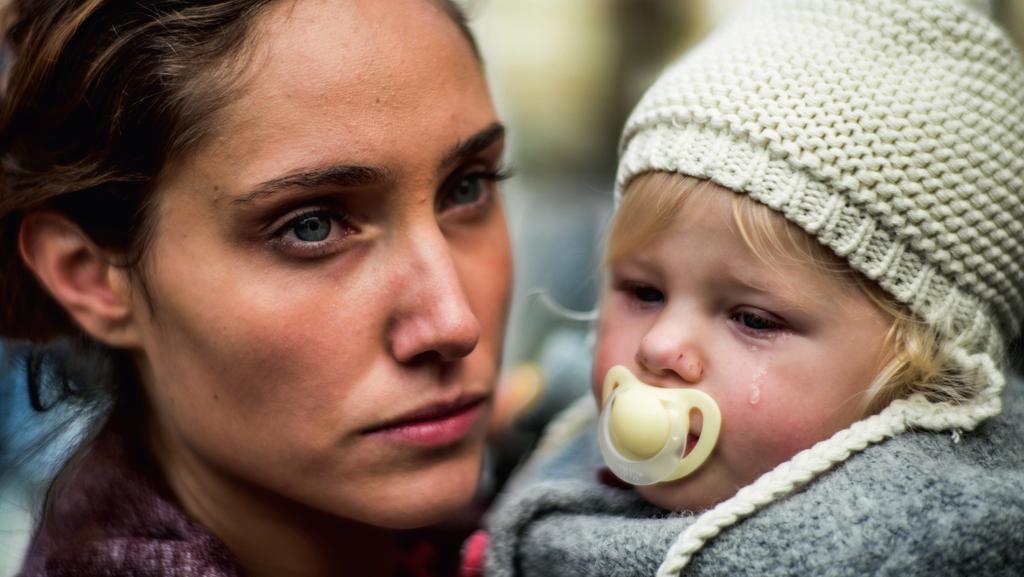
point(916, 361)
point(99, 96)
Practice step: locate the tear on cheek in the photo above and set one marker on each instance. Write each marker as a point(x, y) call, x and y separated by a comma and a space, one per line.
point(755, 394)
point(757, 386)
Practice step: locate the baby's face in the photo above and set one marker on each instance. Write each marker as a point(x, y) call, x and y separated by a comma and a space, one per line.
point(786, 350)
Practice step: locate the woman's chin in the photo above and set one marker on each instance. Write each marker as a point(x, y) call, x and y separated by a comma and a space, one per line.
point(417, 499)
point(425, 515)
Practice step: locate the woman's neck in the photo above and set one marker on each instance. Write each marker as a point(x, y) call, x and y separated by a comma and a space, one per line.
point(270, 535)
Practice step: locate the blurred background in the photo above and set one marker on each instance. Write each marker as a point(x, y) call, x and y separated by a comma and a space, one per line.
point(565, 74)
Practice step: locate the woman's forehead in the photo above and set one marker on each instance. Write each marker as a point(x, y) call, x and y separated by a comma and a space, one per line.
point(357, 60)
point(330, 84)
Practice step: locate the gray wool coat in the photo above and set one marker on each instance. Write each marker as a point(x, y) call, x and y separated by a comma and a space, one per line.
point(921, 504)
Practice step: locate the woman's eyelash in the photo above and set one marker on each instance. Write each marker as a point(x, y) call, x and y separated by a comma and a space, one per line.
point(470, 193)
point(490, 176)
point(296, 219)
point(501, 174)
point(312, 233)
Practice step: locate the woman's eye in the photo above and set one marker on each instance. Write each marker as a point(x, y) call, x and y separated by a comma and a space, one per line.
point(313, 228)
point(312, 234)
point(471, 191)
point(467, 191)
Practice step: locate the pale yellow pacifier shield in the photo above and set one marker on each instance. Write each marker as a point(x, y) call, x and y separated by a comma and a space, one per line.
point(640, 423)
point(644, 429)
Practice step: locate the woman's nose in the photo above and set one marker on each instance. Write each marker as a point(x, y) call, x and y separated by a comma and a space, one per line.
point(669, 347)
point(433, 317)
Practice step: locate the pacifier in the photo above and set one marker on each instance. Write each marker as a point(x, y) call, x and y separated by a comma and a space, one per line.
point(643, 429)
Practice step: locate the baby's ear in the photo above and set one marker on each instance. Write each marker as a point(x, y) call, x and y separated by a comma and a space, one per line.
point(80, 276)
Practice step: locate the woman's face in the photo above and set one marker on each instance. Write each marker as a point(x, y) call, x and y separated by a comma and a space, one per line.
point(330, 272)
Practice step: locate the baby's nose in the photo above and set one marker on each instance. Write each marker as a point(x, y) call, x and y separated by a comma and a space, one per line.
point(660, 355)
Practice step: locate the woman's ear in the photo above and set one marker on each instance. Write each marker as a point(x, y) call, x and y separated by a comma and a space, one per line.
point(79, 276)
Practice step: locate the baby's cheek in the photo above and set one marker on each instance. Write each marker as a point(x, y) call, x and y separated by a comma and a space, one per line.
point(597, 372)
point(612, 349)
point(755, 439)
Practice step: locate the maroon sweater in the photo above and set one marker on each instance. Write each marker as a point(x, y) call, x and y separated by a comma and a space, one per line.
point(112, 515)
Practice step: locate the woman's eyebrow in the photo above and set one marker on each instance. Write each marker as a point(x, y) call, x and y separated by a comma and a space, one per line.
point(341, 176)
point(471, 146)
point(352, 176)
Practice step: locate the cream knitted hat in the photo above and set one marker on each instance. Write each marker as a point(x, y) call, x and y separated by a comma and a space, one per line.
point(893, 132)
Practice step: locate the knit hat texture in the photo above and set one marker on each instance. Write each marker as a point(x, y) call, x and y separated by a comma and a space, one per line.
point(893, 132)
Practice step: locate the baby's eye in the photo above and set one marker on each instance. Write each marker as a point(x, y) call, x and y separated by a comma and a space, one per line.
point(757, 322)
point(643, 293)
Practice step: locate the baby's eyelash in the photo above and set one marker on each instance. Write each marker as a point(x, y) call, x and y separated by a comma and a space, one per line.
point(644, 293)
point(758, 324)
point(755, 321)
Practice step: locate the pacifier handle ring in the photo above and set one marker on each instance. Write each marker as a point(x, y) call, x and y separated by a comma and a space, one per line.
point(612, 380)
point(711, 423)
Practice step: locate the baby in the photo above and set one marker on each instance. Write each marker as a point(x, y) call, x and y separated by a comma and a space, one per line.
point(812, 274)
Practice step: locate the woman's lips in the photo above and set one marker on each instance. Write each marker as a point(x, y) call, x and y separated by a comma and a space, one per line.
point(434, 426)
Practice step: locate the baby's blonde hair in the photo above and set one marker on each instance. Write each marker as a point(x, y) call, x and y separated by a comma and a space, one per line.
point(915, 360)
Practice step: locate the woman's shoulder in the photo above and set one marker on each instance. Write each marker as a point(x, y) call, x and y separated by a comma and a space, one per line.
point(109, 514)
